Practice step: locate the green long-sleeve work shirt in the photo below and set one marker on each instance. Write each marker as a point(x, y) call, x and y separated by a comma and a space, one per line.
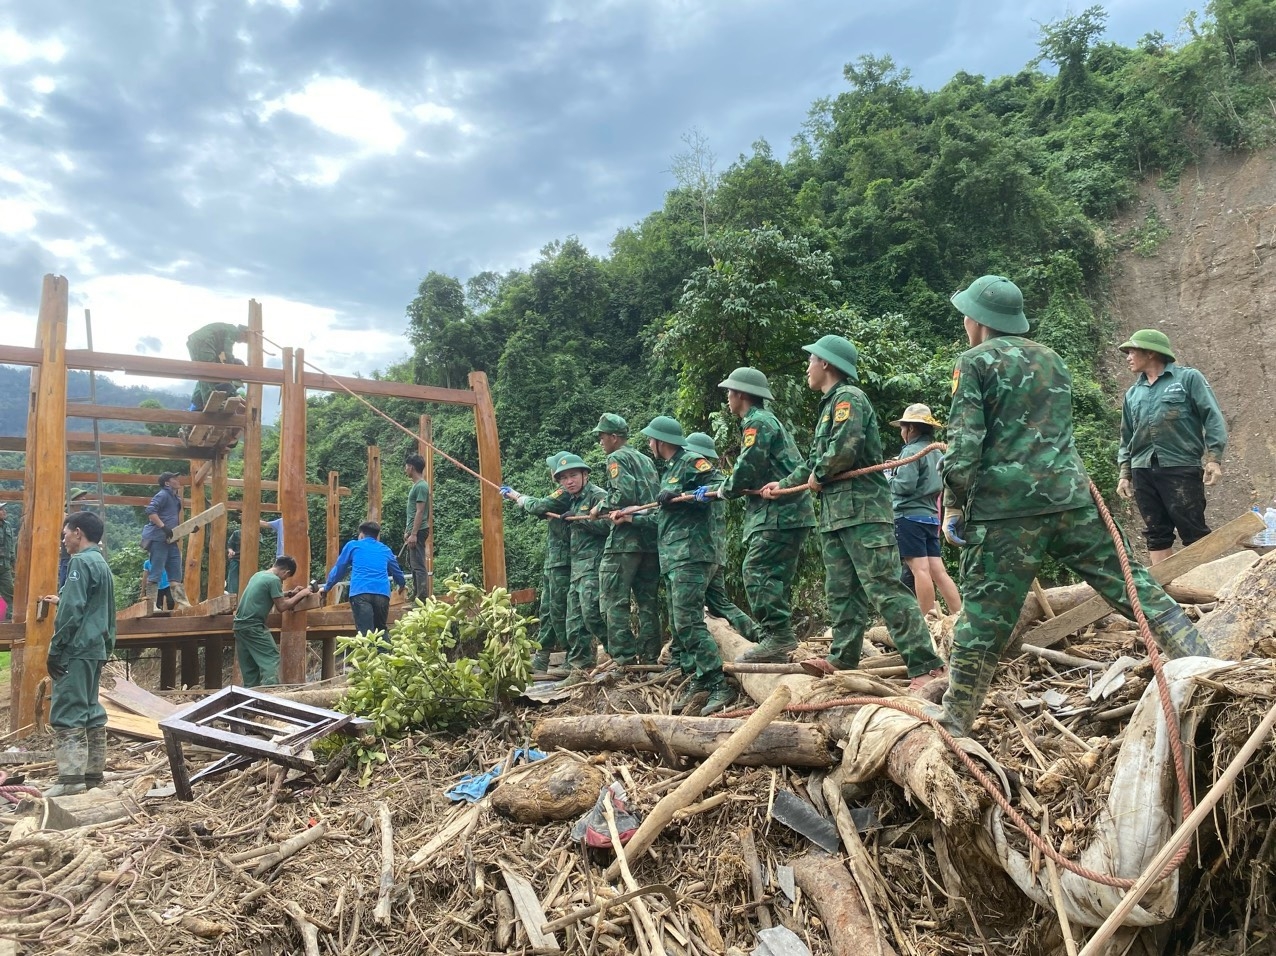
point(915, 487)
point(589, 537)
point(1176, 418)
point(84, 626)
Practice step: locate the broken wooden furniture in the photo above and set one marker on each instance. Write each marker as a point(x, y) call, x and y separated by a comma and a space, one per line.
point(249, 726)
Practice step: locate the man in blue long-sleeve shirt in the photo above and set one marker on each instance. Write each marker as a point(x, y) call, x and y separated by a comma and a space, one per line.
point(370, 565)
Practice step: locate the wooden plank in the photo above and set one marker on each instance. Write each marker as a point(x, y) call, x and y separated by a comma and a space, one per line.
point(426, 448)
point(217, 532)
point(122, 721)
point(129, 696)
point(249, 545)
point(158, 416)
point(1212, 546)
point(491, 510)
point(530, 912)
point(122, 478)
point(119, 446)
point(195, 546)
point(221, 604)
point(143, 608)
point(374, 485)
point(205, 517)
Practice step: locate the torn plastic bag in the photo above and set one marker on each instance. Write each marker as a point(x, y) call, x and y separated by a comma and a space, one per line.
point(592, 827)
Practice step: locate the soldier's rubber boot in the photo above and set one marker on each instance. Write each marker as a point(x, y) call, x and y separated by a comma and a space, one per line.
point(178, 591)
point(969, 677)
point(770, 650)
point(95, 766)
point(72, 752)
point(152, 595)
point(1177, 635)
point(540, 662)
point(720, 698)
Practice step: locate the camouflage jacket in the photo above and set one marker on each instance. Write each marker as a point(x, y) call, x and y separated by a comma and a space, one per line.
point(588, 537)
point(686, 528)
point(631, 480)
point(767, 453)
point(1011, 451)
point(846, 437)
point(558, 549)
point(215, 341)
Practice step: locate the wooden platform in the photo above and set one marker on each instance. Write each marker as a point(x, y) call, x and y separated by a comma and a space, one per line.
point(225, 427)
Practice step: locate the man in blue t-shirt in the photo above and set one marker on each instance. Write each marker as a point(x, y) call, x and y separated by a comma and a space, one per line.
point(370, 565)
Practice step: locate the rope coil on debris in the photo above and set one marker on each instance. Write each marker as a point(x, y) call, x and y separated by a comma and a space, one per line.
point(58, 894)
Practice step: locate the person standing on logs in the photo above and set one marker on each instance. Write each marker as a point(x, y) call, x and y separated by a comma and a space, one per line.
point(861, 561)
point(774, 529)
point(163, 514)
point(1015, 490)
point(214, 342)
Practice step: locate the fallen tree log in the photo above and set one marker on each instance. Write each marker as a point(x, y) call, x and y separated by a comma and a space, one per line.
point(783, 743)
point(850, 928)
point(1246, 613)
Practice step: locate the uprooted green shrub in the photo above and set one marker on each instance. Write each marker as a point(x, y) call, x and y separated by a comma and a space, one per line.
point(408, 680)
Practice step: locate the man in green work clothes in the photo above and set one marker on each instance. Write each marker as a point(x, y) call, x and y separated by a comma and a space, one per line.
point(417, 531)
point(83, 638)
point(255, 647)
point(856, 524)
point(686, 560)
point(585, 627)
point(716, 599)
point(556, 572)
point(774, 529)
point(1015, 490)
point(6, 561)
point(630, 561)
point(232, 562)
point(214, 342)
point(1172, 439)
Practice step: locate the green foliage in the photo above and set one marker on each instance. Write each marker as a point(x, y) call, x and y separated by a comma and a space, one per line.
point(126, 567)
point(443, 665)
point(1146, 238)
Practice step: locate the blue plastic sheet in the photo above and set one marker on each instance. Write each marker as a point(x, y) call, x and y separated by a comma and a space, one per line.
point(473, 787)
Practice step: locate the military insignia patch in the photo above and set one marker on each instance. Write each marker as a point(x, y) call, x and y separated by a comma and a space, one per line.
point(703, 464)
point(841, 412)
point(556, 493)
point(614, 469)
point(956, 379)
point(562, 462)
point(750, 437)
point(673, 480)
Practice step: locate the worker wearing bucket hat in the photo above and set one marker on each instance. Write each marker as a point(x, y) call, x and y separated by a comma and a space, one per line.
point(631, 563)
point(556, 572)
point(915, 491)
point(774, 531)
point(861, 562)
point(1172, 439)
point(1015, 490)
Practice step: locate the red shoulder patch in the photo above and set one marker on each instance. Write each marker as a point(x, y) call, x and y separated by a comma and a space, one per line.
point(750, 437)
point(842, 412)
point(703, 464)
point(614, 469)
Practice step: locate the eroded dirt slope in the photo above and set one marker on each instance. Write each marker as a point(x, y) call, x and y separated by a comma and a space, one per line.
point(1210, 286)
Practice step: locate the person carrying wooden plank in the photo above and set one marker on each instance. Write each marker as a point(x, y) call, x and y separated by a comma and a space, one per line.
point(83, 639)
point(163, 514)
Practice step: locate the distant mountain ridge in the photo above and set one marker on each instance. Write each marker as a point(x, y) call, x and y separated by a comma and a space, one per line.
point(15, 386)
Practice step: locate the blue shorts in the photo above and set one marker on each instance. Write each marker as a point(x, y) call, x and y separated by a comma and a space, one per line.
point(916, 540)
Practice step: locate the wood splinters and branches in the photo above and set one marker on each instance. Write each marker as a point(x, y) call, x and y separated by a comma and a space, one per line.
point(836, 895)
point(290, 848)
point(382, 913)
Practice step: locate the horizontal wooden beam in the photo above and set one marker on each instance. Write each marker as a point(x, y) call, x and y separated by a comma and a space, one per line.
point(134, 501)
point(158, 367)
point(121, 446)
point(158, 416)
point(120, 478)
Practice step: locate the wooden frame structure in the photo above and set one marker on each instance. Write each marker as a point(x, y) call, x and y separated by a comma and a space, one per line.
point(45, 476)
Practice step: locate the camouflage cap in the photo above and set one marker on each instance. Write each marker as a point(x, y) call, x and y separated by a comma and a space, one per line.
point(567, 462)
point(610, 424)
point(665, 429)
point(1151, 340)
point(698, 443)
point(839, 352)
point(993, 301)
point(749, 381)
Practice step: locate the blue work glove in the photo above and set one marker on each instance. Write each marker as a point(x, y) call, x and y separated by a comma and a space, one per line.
point(954, 528)
point(507, 491)
point(665, 497)
point(703, 494)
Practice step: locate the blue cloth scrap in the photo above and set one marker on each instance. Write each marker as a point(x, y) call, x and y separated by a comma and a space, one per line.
point(473, 788)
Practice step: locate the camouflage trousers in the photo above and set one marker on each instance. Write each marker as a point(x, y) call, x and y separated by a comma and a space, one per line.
point(770, 565)
point(720, 605)
point(553, 608)
point(997, 567)
point(619, 574)
point(585, 628)
point(861, 579)
point(693, 649)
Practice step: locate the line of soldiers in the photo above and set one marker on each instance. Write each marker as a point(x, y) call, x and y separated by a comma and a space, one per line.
point(1014, 491)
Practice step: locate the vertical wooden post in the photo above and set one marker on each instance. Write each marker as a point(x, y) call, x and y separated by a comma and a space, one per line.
point(168, 666)
point(426, 449)
point(190, 663)
point(292, 500)
point(374, 485)
point(491, 514)
point(43, 500)
point(195, 540)
point(213, 647)
point(249, 552)
point(217, 530)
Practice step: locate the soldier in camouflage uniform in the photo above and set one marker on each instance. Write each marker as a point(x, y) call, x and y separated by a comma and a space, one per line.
point(686, 560)
point(774, 530)
point(856, 523)
point(6, 560)
point(585, 627)
point(214, 342)
point(630, 561)
point(1015, 490)
point(556, 571)
point(716, 599)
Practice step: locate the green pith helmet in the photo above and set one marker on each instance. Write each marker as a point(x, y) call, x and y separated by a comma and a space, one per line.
point(839, 352)
point(748, 380)
point(567, 461)
point(1153, 340)
point(993, 301)
point(665, 429)
point(610, 424)
point(552, 461)
point(77, 493)
point(698, 443)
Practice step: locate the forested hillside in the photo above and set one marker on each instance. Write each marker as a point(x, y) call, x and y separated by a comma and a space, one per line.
point(15, 385)
point(890, 198)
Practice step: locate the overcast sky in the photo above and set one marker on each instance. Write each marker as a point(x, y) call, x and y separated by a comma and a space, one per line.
point(173, 159)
